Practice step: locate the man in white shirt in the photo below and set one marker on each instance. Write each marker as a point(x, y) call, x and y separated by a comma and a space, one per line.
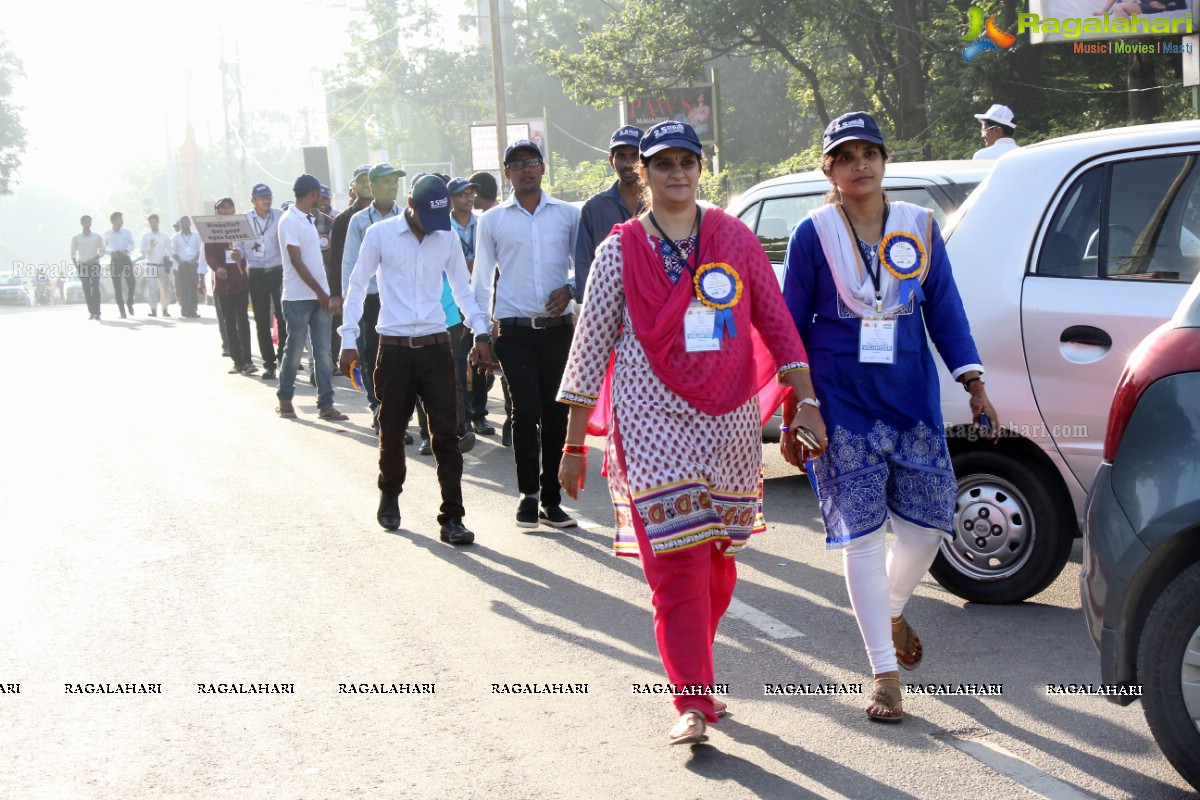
point(997, 128)
point(155, 246)
point(529, 239)
point(265, 263)
point(406, 256)
point(118, 243)
point(185, 247)
point(86, 249)
point(306, 302)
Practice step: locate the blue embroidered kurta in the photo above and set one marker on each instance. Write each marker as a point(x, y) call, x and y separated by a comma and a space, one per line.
point(887, 447)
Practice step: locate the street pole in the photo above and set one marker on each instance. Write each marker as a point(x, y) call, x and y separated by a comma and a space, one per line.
point(498, 84)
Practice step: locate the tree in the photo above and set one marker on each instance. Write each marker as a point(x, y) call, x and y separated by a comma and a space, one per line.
point(12, 132)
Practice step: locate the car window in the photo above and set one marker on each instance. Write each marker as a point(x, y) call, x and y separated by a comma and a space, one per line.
point(10, 280)
point(750, 215)
point(779, 217)
point(919, 197)
point(1128, 220)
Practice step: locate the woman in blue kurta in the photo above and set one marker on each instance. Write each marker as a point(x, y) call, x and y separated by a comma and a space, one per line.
point(866, 280)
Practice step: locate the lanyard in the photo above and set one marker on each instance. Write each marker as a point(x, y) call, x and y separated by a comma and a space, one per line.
point(262, 232)
point(876, 273)
point(675, 248)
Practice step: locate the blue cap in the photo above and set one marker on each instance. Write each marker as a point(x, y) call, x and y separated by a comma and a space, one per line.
point(848, 127)
point(628, 136)
point(325, 192)
point(304, 184)
point(431, 200)
point(671, 133)
point(383, 170)
point(260, 190)
point(521, 144)
point(362, 169)
point(457, 185)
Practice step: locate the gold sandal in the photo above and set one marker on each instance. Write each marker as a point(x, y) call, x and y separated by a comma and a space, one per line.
point(689, 729)
point(909, 651)
point(888, 698)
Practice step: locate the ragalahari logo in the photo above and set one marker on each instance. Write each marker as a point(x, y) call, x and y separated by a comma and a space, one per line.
point(983, 36)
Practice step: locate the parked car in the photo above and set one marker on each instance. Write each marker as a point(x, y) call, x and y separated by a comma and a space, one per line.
point(775, 207)
point(1067, 256)
point(1140, 582)
point(13, 291)
point(73, 291)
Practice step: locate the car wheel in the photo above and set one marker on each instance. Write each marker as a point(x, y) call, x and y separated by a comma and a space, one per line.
point(1169, 669)
point(1012, 536)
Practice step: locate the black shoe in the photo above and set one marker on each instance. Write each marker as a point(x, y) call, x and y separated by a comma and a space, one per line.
point(466, 442)
point(312, 378)
point(506, 436)
point(152, 313)
point(425, 449)
point(407, 436)
point(224, 353)
point(454, 532)
point(269, 373)
point(249, 369)
point(481, 427)
point(165, 312)
point(527, 513)
point(122, 315)
point(389, 511)
point(555, 517)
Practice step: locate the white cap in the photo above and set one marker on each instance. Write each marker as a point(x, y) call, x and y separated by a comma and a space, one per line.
point(1000, 114)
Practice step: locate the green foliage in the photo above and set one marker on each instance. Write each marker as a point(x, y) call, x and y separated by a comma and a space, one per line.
point(12, 132)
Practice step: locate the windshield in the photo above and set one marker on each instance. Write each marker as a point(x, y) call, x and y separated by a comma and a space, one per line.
point(10, 280)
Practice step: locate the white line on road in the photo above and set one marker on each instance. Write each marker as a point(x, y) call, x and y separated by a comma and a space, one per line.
point(1018, 769)
point(761, 620)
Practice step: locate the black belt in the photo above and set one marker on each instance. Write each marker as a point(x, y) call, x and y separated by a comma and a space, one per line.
point(267, 269)
point(416, 341)
point(537, 323)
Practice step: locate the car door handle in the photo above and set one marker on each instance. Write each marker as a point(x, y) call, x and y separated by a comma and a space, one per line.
point(1085, 334)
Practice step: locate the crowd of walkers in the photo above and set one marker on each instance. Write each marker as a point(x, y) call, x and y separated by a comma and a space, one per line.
point(646, 317)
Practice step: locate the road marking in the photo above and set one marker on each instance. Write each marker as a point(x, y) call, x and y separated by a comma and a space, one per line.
point(761, 620)
point(587, 524)
point(1019, 770)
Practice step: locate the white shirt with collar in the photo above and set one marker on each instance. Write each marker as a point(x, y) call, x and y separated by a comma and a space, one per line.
point(409, 276)
point(296, 228)
point(186, 247)
point(87, 249)
point(118, 241)
point(1002, 146)
point(267, 239)
point(155, 247)
point(534, 253)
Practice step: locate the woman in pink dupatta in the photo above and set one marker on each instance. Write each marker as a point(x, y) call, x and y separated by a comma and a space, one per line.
point(685, 318)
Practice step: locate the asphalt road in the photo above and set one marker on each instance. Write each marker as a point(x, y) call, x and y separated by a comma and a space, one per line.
point(161, 527)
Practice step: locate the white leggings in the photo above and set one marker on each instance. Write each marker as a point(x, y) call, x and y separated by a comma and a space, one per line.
point(876, 582)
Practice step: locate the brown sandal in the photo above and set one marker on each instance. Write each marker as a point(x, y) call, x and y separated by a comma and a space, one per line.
point(719, 708)
point(908, 645)
point(689, 730)
point(888, 698)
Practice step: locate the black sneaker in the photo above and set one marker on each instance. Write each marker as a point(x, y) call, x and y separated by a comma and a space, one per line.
point(407, 436)
point(555, 517)
point(466, 442)
point(506, 435)
point(425, 449)
point(269, 373)
point(454, 532)
point(527, 513)
point(388, 514)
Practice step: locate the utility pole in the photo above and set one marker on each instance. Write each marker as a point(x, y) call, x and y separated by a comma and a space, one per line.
point(498, 83)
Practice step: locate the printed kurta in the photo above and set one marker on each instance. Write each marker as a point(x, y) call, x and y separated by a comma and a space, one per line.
point(887, 447)
point(691, 478)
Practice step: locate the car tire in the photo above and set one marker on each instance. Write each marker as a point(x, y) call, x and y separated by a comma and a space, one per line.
point(1029, 535)
point(1170, 636)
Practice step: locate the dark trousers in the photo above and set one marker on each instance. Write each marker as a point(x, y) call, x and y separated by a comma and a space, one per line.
point(186, 287)
point(404, 375)
point(237, 326)
point(456, 335)
point(368, 347)
point(221, 324)
point(122, 277)
point(534, 361)
point(474, 391)
point(90, 281)
point(266, 290)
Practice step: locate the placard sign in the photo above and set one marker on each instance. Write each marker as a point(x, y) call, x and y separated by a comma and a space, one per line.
point(220, 229)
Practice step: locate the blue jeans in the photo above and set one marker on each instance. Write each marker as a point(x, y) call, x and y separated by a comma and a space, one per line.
point(303, 316)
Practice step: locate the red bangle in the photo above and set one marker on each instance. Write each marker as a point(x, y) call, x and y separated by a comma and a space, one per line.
point(575, 449)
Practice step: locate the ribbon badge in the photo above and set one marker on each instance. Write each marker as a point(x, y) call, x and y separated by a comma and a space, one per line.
point(720, 288)
point(904, 256)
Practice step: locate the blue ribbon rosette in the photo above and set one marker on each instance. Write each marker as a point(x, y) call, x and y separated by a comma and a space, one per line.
point(720, 288)
point(904, 256)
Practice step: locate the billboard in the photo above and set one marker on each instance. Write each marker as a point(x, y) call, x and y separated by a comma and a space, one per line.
point(691, 104)
point(1083, 20)
point(484, 156)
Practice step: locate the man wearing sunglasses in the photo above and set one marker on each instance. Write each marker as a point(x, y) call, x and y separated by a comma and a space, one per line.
point(525, 247)
point(997, 128)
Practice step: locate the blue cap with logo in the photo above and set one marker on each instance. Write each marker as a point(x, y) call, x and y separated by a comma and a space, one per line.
point(260, 190)
point(304, 184)
point(325, 192)
point(521, 144)
point(362, 169)
point(627, 136)
point(431, 200)
point(671, 133)
point(383, 170)
point(457, 185)
point(848, 127)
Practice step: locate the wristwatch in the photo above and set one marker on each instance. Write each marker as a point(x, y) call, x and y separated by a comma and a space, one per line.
point(486, 338)
point(809, 401)
point(570, 290)
point(967, 383)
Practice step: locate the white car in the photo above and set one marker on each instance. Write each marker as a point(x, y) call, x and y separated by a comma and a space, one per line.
point(13, 291)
